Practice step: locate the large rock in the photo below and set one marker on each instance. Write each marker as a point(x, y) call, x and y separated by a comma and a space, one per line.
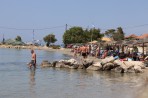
point(69, 62)
point(75, 66)
point(87, 63)
point(60, 65)
point(128, 64)
point(139, 63)
point(131, 70)
point(46, 64)
point(107, 60)
point(81, 66)
point(137, 69)
point(118, 69)
point(98, 64)
point(94, 68)
point(108, 66)
point(54, 63)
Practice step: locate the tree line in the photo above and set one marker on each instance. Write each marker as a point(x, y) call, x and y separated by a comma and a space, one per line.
point(79, 35)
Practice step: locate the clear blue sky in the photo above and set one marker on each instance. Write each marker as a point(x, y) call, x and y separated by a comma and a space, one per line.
point(104, 14)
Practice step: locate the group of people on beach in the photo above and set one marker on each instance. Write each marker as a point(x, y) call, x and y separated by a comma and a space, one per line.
point(98, 52)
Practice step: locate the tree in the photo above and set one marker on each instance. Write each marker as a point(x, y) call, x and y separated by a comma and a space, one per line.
point(94, 34)
point(18, 38)
point(49, 39)
point(110, 33)
point(73, 35)
point(115, 34)
point(78, 35)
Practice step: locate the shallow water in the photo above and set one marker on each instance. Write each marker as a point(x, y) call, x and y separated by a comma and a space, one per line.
point(17, 81)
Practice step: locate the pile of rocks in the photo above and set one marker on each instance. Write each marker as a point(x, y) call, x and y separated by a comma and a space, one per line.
point(71, 63)
point(107, 64)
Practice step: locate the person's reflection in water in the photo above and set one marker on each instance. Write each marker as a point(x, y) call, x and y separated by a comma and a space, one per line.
point(32, 76)
point(32, 82)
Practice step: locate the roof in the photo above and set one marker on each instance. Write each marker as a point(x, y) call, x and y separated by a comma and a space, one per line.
point(137, 37)
point(143, 36)
point(131, 36)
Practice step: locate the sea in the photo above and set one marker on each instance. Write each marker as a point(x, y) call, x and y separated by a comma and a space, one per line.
point(18, 81)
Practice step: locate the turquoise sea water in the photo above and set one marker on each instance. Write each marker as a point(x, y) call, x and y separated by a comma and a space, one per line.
point(18, 81)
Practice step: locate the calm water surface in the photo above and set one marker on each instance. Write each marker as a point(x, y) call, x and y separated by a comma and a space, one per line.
point(17, 81)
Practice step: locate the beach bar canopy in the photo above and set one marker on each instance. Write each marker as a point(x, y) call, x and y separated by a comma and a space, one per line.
point(93, 42)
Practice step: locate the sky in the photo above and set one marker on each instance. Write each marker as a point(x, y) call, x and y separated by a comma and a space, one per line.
point(20, 17)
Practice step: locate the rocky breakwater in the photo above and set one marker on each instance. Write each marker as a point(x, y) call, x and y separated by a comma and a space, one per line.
point(107, 64)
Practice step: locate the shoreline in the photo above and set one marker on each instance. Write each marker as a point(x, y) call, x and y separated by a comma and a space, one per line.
point(61, 50)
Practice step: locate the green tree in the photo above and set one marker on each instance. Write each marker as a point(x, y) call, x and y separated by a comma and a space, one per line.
point(18, 38)
point(110, 33)
point(115, 34)
point(78, 35)
point(94, 34)
point(74, 35)
point(49, 39)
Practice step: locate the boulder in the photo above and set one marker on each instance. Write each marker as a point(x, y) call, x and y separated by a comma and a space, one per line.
point(139, 63)
point(94, 68)
point(69, 62)
point(54, 63)
point(128, 64)
point(137, 69)
point(60, 65)
point(117, 63)
point(108, 66)
point(107, 60)
point(118, 69)
point(75, 66)
point(97, 64)
point(130, 70)
point(46, 64)
point(87, 63)
point(146, 63)
point(81, 66)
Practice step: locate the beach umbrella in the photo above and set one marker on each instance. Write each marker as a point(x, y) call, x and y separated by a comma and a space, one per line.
point(93, 42)
point(131, 42)
point(145, 40)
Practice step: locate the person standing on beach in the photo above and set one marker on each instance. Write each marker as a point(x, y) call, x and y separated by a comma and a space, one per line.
point(75, 52)
point(84, 51)
point(33, 59)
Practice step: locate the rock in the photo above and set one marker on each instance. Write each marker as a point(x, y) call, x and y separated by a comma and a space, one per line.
point(146, 63)
point(72, 61)
point(87, 63)
point(120, 65)
point(108, 66)
point(60, 65)
point(94, 68)
point(81, 66)
point(69, 62)
point(74, 66)
point(54, 63)
point(46, 64)
point(137, 69)
point(118, 69)
point(97, 64)
point(139, 63)
point(117, 63)
point(66, 66)
point(128, 64)
point(131, 70)
point(107, 60)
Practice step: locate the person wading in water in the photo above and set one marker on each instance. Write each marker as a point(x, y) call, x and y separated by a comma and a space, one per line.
point(33, 59)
